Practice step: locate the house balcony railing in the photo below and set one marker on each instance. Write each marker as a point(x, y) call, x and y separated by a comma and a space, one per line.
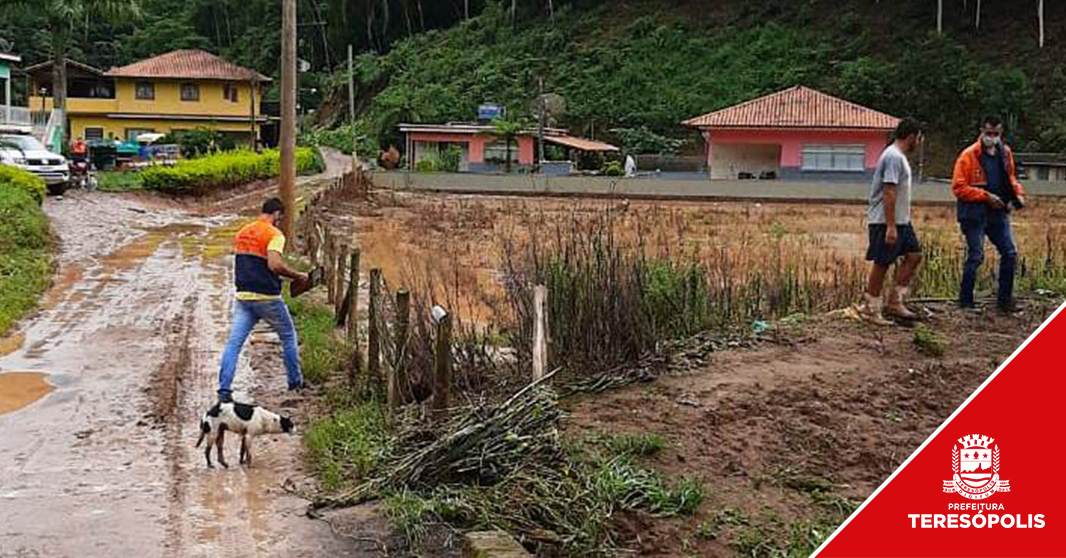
point(76, 105)
point(16, 117)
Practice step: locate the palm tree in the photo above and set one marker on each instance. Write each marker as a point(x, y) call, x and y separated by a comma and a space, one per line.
point(61, 16)
point(508, 130)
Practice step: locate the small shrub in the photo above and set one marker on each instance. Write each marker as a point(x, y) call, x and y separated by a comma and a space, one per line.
point(928, 342)
point(26, 181)
point(225, 170)
point(429, 164)
point(201, 141)
point(451, 158)
point(613, 168)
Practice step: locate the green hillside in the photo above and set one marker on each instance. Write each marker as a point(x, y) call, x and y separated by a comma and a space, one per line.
point(645, 66)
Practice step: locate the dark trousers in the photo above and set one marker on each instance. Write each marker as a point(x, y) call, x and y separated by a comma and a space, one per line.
point(995, 225)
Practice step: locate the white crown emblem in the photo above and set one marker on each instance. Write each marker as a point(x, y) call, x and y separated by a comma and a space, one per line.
point(976, 468)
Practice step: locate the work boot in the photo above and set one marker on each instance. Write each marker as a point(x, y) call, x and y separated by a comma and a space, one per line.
point(870, 310)
point(1007, 307)
point(895, 304)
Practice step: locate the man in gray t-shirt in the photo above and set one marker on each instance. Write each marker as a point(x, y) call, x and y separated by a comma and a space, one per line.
point(890, 232)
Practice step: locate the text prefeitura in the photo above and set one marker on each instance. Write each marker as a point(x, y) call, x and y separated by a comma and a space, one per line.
point(980, 520)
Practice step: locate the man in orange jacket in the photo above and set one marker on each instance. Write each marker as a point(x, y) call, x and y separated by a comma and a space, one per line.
point(986, 187)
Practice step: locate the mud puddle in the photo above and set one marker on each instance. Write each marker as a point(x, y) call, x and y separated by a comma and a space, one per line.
point(20, 389)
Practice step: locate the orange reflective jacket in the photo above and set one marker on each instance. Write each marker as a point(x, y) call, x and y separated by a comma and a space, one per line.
point(968, 174)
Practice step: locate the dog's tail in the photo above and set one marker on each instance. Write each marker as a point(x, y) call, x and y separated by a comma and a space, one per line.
point(205, 427)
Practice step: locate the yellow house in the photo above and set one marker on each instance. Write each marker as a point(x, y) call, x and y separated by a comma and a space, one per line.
point(173, 92)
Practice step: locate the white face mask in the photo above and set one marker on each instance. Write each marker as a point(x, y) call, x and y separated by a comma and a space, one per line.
point(990, 141)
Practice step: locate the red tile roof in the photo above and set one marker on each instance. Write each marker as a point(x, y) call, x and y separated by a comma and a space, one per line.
point(798, 107)
point(187, 64)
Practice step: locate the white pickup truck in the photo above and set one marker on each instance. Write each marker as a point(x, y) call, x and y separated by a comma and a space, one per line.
point(29, 154)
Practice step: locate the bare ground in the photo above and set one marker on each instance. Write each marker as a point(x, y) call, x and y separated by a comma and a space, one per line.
point(788, 436)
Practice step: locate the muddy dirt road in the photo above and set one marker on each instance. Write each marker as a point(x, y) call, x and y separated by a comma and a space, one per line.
point(96, 450)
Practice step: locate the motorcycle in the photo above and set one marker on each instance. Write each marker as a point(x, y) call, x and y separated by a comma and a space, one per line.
point(82, 175)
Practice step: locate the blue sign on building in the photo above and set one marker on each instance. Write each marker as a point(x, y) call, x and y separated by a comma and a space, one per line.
point(489, 112)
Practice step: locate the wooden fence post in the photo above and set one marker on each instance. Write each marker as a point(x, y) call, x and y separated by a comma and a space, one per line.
point(398, 371)
point(341, 254)
point(442, 371)
point(330, 266)
point(351, 300)
point(540, 337)
point(373, 346)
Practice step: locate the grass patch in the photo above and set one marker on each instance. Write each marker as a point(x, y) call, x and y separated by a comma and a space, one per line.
point(322, 352)
point(119, 181)
point(25, 263)
point(642, 444)
point(345, 446)
point(928, 342)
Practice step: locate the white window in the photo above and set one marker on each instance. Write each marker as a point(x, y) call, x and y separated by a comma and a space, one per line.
point(834, 158)
point(496, 151)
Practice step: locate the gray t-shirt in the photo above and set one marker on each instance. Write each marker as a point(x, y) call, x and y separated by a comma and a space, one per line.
point(892, 168)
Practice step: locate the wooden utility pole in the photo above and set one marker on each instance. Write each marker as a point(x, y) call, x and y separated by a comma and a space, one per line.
point(939, 16)
point(287, 180)
point(541, 117)
point(351, 110)
point(1040, 17)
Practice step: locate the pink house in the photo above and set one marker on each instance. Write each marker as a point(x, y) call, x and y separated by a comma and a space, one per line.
point(798, 133)
point(482, 149)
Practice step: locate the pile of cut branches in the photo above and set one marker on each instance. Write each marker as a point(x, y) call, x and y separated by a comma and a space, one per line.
point(479, 446)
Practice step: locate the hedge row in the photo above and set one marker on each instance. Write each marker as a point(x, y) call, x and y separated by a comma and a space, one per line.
point(225, 170)
point(29, 182)
point(25, 265)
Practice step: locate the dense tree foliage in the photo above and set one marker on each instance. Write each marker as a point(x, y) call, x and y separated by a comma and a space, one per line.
point(620, 65)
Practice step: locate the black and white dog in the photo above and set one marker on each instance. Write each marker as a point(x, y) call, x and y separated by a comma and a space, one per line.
point(247, 420)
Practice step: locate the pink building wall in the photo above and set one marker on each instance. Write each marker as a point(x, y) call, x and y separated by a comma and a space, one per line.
point(525, 150)
point(476, 144)
point(793, 141)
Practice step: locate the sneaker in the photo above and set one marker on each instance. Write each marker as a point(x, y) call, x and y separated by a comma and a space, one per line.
point(870, 311)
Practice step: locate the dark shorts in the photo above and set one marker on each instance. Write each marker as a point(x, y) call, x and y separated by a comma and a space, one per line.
point(882, 254)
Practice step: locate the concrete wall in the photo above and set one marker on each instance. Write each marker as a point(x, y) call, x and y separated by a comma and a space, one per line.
point(579, 186)
point(533, 184)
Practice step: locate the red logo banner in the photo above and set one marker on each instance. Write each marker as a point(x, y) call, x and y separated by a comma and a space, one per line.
point(981, 484)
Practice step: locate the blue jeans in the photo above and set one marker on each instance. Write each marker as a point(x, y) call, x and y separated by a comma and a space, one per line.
point(246, 314)
point(996, 225)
